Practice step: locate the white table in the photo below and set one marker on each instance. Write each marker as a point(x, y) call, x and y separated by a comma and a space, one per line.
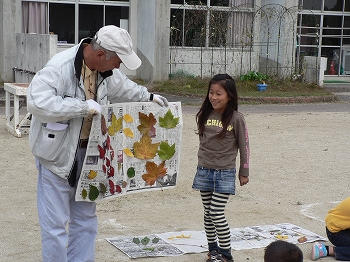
point(14, 124)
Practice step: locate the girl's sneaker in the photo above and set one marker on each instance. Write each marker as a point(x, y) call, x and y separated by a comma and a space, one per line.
point(212, 255)
point(221, 258)
point(318, 250)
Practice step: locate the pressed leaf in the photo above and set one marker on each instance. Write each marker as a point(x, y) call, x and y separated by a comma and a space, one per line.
point(146, 123)
point(103, 188)
point(107, 143)
point(130, 172)
point(92, 174)
point(128, 118)
point(168, 121)
point(84, 193)
point(102, 151)
point(155, 240)
point(145, 240)
point(136, 240)
point(124, 184)
point(93, 193)
point(118, 189)
point(128, 152)
point(166, 151)
point(145, 149)
point(104, 168)
point(111, 131)
point(118, 125)
point(111, 171)
point(111, 187)
point(111, 153)
point(154, 172)
point(128, 132)
point(108, 162)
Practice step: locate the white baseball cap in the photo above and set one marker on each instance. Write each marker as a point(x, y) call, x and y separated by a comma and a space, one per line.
point(118, 40)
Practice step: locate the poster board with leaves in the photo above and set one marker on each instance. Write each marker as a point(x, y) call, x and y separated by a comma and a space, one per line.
point(133, 147)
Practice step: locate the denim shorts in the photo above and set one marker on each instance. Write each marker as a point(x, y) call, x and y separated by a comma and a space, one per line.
point(215, 180)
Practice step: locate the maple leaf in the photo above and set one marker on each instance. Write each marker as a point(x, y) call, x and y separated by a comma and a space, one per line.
point(116, 125)
point(168, 121)
point(154, 172)
point(166, 151)
point(145, 149)
point(147, 122)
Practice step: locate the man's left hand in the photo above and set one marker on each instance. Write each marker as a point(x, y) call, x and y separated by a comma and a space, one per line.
point(161, 100)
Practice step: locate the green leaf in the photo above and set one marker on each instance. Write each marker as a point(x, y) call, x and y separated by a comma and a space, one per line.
point(93, 192)
point(168, 121)
point(136, 240)
point(166, 151)
point(131, 172)
point(155, 240)
point(145, 240)
point(103, 188)
point(84, 193)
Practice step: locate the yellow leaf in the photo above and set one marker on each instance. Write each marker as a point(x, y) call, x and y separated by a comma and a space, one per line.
point(128, 118)
point(154, 172)
point(183, 236)
point(147, 122)
point(92, 174)
point(128, 132)
point(128, 152)
point(145, 149)
point(111, 131)
point(280, 237)
point(116, 123)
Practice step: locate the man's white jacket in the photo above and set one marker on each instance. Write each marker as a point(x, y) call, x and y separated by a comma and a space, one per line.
point(56, 95)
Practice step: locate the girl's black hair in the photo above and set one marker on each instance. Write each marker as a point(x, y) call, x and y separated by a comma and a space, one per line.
point(228, 83)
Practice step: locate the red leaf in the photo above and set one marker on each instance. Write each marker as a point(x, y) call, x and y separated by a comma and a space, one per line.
point(118, 189)
point(111, 172)
point(108, 162)
point(104, 168)
point(112, 153)
point(111, 187)
point(102, 151)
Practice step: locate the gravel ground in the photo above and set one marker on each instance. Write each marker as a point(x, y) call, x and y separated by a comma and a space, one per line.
point(299, 168)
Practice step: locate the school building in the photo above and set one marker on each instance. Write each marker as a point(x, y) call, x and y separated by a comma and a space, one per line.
point(200, 38)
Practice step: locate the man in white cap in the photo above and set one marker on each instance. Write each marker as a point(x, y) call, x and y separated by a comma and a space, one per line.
point(63, 97)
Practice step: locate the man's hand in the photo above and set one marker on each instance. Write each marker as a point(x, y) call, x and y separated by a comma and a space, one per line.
point(161, 100)
point(94, 107)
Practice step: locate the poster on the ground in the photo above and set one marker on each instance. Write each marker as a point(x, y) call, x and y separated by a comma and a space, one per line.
point(186, 242)
point(133, 147)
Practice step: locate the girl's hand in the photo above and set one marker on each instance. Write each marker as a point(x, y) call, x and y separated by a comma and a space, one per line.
point(243, 180)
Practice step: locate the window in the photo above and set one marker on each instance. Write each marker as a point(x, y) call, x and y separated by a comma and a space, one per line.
point(310, 4)
point(211, 23)
point(57, 14)
point(70, 25)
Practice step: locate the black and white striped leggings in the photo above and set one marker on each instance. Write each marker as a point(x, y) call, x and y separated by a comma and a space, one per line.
point(215, 224)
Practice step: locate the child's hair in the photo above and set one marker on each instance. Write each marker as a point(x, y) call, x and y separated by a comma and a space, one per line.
point(281, 251)
point(228, 83)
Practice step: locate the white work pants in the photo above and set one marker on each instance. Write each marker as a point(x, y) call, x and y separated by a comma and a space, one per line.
point(57, 208)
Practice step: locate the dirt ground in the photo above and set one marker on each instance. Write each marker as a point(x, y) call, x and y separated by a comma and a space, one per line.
point(299, 170)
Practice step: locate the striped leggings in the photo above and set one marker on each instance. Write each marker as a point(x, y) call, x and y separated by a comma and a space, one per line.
point(215, 224)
